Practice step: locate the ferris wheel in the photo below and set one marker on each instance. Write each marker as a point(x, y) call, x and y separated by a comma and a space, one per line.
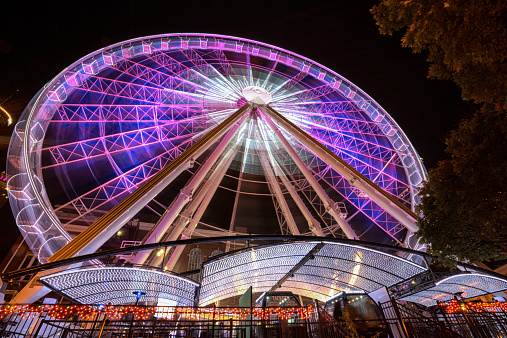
point(172, 126)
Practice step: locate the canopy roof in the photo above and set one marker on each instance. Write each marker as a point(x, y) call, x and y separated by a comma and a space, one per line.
point(466, 285)
point(118, 285)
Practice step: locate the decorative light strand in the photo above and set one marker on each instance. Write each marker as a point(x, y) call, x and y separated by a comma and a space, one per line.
point(85, 312)
point(454, 306)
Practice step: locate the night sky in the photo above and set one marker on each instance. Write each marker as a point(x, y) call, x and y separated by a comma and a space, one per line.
point(39, 40)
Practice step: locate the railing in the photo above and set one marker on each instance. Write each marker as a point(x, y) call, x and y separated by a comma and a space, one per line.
point(476, 319)
point(145, 321)
point(457, 320)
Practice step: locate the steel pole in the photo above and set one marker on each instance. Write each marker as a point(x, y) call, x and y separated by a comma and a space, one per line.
point(278, 194)
point(208, 194)
point(186, 194)
point(313, 224)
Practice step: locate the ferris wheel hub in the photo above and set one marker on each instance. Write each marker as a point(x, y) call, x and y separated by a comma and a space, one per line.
point(257, 95)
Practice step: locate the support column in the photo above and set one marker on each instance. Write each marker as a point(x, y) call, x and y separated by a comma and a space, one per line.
point(101, 230)
point(236, 200)
point(186, 194)
point(328, 203)
point(313, 224)
point(278, 194)
point(394, 207)
point(207, 194)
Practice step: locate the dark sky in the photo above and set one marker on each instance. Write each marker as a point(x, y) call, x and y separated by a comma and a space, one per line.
point(39, 40)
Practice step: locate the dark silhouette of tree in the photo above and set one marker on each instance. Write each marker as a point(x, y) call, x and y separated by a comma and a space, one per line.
point(466, 41)
point(464, 202)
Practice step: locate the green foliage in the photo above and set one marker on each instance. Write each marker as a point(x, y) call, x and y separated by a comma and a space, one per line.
point(464, 201)
point(466, 41)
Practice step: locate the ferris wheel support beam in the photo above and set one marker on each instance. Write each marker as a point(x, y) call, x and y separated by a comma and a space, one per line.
point(205, 196)
point(328, 202)
point(101, 230)
point(313, 224)
point(186, 194)
point(278, 194)
point(394, 207)
point(273, 182)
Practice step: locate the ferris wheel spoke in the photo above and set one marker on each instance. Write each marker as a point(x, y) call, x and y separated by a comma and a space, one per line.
point(268, 77)
point(200, 68)
point(345, 116)
point(336, 182)
point(371, 171)
point(223, 83)
point(165, 60)
point(225, 63)
point(303, 94)
point(137, 93)
point(85, 154)
point(364, 167)
point(116, 189)
point(349, 142)
point(80, 151)
point(112, 138)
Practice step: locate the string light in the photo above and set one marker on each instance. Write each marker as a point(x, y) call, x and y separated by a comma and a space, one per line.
point(455, 306)
point(85, 312)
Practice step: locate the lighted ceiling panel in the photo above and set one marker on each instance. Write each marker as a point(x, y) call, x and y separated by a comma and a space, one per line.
point(334, 268)
point(260, 268)
point(469, 285)
point(117, 285)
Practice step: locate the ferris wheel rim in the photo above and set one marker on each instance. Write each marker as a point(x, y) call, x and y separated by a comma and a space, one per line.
point(44, 95)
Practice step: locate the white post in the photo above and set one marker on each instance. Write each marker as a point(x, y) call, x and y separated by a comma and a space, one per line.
point(328, 203)
point(313, 224)
point(278, 194)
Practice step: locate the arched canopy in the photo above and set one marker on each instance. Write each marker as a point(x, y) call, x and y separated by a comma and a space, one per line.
point(119, 285)
point(311, 269)
point(465, 285)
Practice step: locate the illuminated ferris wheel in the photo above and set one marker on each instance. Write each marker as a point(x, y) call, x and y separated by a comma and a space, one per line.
point(188, 131)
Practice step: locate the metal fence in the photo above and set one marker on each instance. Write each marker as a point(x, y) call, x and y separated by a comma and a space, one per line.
point(143, 321)
point(457, 319)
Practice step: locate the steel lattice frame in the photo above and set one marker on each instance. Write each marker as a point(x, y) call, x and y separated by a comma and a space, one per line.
point(109, 121)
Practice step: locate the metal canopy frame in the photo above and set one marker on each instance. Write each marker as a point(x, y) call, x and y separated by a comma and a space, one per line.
point(88, 286)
